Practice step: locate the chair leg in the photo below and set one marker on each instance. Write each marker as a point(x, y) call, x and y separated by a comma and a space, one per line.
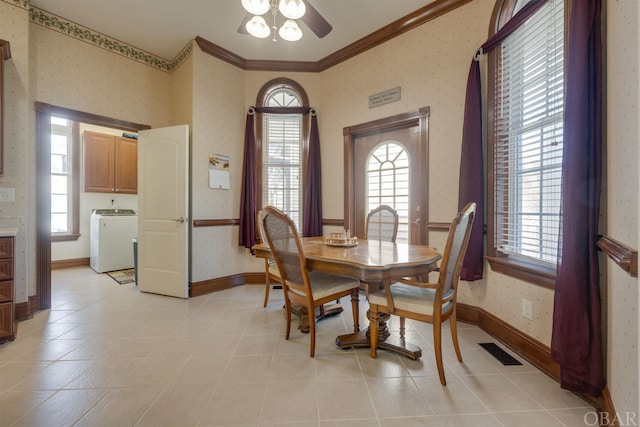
point(355, 308)
point(287, 307)
point(267, 282)
point(402, 330)
point(312, 332)
point(453, 324)
point(374, 318)
point(266, 291)
point(437, 348)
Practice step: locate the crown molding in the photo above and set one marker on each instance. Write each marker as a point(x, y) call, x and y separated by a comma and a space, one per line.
point(386, 33)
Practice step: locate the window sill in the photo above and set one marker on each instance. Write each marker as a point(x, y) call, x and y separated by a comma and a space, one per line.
point(532, 273)
point(64, 237)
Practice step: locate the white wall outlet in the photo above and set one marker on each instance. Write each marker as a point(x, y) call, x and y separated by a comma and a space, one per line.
point(527, 309)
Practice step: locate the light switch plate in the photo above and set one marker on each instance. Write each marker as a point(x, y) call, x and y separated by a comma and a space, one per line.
point(7, 194)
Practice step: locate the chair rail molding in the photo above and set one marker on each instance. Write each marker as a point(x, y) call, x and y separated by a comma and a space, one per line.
point(624, 256)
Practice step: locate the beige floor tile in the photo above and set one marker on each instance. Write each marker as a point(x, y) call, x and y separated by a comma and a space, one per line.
point(546, 392)
point(290, 402)
point(343, 400)
point(120, 407)
point(394, 397)
point(55, 376)
point(15, 404)
point(239, 404)
point(64, 408)
point(109, 355)
point(454, 398)
point(292, 368)
point(385, 365)
point(335, 367)
point(180, 405)
point(499, 394)
point(528, 419)
point(247, 370)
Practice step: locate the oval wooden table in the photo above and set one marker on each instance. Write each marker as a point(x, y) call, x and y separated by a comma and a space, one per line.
point(374, 262)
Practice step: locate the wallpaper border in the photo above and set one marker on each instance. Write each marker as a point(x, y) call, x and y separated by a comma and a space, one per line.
point(71, 29)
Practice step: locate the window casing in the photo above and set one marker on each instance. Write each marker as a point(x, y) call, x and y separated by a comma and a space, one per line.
point(282, 149)
point(525, 146)
point(64, 179)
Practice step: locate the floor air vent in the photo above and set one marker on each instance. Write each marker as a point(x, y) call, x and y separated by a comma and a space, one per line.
point(504, 357)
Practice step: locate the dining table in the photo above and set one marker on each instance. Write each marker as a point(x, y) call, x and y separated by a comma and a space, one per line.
point(374, 263)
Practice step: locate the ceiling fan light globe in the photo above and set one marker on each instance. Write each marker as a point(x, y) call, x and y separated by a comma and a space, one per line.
point(256, 7)
point(292, 9)
point(290, 31)
point(257, 27)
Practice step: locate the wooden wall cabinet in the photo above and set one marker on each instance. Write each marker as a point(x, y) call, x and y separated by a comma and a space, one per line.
point(7, 303)
point(110, 163)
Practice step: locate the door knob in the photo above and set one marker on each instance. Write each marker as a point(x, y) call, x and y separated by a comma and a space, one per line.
point(180, 220)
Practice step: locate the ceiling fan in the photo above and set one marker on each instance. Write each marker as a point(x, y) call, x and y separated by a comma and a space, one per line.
point(311, 18)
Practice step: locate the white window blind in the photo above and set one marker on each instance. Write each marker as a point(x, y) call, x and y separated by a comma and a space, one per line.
point(282, 164)
point(529, 137)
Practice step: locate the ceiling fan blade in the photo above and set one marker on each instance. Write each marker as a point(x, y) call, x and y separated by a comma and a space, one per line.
point(316, 22)
point(242, 29)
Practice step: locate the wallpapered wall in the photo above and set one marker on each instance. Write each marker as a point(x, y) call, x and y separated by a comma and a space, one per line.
point(18, 154)
point(621, 199)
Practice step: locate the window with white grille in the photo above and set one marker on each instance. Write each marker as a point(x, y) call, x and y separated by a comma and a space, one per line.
point(61, 175)
point(282, 156)
point(387, 183)
point(528, 138)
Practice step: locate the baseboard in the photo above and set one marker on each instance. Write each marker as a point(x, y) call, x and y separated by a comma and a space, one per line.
point(221, 283)
point(532, 350)
point(68, 263)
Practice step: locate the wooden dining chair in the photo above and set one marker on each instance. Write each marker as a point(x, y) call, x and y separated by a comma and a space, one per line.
point(271, 272)
point(428, 302)
point(310, 289)
point(382, 224)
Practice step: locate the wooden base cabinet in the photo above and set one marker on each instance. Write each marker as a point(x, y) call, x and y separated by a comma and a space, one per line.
point(7, 303)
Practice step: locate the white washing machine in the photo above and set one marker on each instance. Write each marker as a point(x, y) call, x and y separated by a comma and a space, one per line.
point(111, 231)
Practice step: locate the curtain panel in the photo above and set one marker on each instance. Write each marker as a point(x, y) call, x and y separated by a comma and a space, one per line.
point(471, 187)
point(312, 207)
point(576, 341)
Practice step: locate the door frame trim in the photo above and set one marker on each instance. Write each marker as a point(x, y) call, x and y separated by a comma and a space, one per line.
point(43, 185)
point(417, 118)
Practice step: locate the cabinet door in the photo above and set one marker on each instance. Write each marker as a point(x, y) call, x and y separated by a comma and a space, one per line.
point(126, 166)
point(99, 158)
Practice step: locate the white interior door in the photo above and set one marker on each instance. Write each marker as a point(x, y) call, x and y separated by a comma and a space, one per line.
point(163, 243)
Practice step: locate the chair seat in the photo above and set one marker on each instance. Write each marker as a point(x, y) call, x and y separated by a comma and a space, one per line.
point(408, 298)
point(325, 284)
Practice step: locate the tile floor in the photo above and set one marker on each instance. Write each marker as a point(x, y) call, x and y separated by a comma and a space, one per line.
point(108, 355)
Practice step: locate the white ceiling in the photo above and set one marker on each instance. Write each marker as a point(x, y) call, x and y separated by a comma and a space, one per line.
point(164, 27)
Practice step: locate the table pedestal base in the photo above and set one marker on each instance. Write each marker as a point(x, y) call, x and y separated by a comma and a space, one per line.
point(385, 341)
point(328, 310)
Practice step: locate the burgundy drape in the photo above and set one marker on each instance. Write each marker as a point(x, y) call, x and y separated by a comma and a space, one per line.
point(248, 234)
point(312, 208)
point(576, 342)
point(471, 187)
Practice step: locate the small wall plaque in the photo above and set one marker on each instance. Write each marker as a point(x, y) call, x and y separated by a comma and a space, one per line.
point(390, 95)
